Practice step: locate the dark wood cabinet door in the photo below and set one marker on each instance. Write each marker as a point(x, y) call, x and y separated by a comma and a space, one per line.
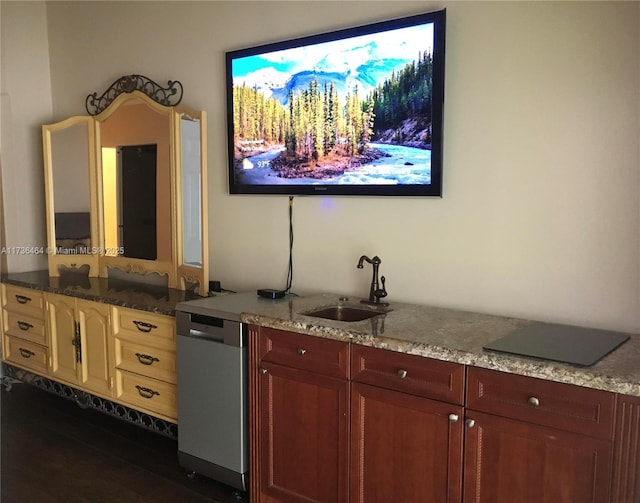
point(404, 448)
point(626, 464)
point(508, 460)
point(303, 436)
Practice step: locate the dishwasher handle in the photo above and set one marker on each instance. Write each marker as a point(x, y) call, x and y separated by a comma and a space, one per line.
point(199, 334)
point(231, 333)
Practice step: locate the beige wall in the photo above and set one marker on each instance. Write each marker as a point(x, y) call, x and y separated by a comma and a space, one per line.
point(25, 104)
point(541, 210)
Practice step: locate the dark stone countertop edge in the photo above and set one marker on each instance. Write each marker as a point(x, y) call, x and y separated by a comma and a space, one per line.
point(120, 297)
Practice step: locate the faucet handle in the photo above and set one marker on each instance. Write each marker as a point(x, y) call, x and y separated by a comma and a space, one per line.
point(380, 292)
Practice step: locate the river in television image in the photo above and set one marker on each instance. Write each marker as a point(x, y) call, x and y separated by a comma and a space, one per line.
point(348, 111)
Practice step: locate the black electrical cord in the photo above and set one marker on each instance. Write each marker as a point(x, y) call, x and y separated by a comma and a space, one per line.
point(290, 271)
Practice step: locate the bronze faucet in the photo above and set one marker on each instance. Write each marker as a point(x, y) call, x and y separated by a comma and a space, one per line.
point(375, 292)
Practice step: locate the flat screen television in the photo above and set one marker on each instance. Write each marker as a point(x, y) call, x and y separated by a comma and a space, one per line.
point(357, 111)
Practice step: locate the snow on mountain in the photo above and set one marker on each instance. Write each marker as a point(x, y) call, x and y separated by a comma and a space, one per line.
point(363, 67)
point(301, 80)
point(365, 77)
point(266, 80)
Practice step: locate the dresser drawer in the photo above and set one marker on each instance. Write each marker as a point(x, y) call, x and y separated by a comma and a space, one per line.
point(26, 354)
point(145, 327)
point(413, 374)
point(564, 406)
point(145, 360)
point(24, 326)
point(23, 300)
point(305, 352)
point(151, 395)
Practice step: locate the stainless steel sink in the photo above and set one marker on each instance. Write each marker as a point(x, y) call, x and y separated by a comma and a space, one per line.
point(344, 313)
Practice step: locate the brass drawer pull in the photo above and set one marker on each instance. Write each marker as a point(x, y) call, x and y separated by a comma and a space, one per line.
point(302, 352)
point(146, 359)
point(533, 401)
point(23, 325)
point(143, 326)
point(22, 299)
point(146, 392)
point(25, 353)
point(402, 373)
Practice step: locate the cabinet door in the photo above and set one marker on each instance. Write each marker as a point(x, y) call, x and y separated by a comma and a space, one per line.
point(404, 448)
point(626, 465)
point(93, 318)
point(62, 330)
point(508, 460)
point(303, 436)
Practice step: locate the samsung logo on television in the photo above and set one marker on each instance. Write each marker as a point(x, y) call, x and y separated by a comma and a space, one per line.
point(318, 189)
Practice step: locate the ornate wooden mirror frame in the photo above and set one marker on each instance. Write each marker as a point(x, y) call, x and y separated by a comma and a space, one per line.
point(181, 149)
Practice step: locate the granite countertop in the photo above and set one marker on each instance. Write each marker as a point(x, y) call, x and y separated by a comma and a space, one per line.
point(444, 334)
point(117, 292)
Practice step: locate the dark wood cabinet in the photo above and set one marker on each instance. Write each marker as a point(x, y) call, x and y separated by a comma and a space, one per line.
point(406, 427)
point(334, 422)
point(626, 463)
point(412, 374)
point(304, 436)
point(509, 460)
point(531, 449)
point(558, 405)
point(303, 419)
point(404, 447)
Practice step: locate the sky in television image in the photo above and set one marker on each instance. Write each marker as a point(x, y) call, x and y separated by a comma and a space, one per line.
point(350, 111)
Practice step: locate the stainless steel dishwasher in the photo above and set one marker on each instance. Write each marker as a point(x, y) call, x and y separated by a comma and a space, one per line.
point(212, 397)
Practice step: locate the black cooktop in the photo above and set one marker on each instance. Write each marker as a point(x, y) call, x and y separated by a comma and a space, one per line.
point(561, 343)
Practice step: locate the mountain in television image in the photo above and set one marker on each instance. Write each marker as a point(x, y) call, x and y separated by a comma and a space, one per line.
point(348, 111)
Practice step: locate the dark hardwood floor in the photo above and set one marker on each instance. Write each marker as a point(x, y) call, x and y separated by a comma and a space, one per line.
point(54, 452)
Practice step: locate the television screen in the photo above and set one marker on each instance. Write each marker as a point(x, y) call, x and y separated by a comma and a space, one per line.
point(351, 112)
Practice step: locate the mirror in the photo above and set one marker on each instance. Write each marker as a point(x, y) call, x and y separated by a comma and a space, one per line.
point(126, 188)
point(191, 190)
point(193, 270)
point(136, 182)
point(70, 156)
point(137, 200)
point(71, 216)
